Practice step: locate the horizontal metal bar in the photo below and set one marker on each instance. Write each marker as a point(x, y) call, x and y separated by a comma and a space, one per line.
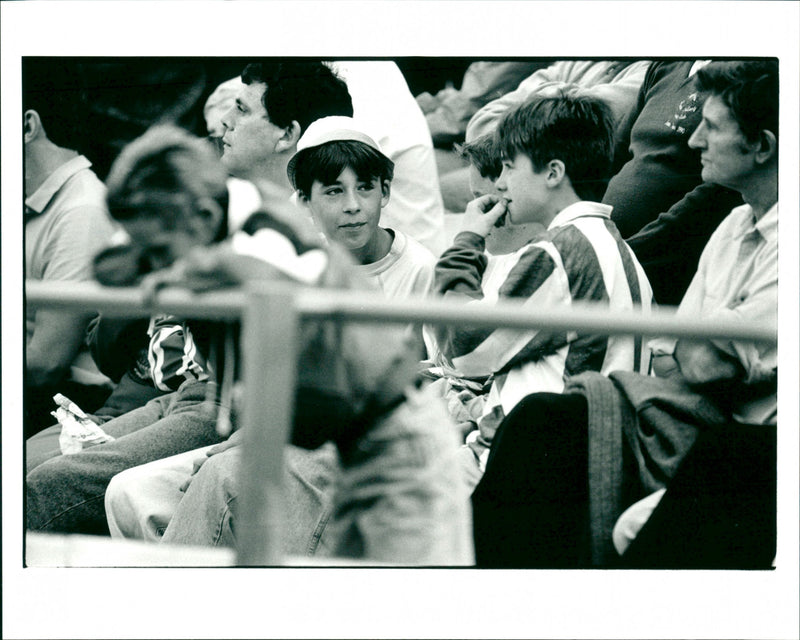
point(371, 307)
point(509, 314)
point(132, 301)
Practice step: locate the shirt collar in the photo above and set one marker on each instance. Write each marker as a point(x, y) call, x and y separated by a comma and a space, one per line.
point(39, 199)
point(766, 227)
point(579, 210)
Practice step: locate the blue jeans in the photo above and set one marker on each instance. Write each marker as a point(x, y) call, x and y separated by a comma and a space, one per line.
point(206, 514)
point(127, 396)
point(66, 493)
point(401, 496)
point(397, 495)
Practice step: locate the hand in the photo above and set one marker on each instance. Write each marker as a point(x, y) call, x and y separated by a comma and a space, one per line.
point(482, 213)
point(702, 363)
point(665, 366)
point(231, 442)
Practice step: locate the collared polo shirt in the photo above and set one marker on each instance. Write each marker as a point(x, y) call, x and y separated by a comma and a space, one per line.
point(66, 225)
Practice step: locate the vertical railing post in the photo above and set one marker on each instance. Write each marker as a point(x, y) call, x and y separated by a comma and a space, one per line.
point(269, 352)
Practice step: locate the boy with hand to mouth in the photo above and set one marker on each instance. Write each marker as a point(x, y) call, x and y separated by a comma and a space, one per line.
point(556, 156)
point(485, 167)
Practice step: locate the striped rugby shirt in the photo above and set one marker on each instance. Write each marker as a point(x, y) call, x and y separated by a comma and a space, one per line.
point(581, 257)
point(172, 355)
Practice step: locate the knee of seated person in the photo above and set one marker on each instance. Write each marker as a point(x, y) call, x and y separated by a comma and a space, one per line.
point(117, 498)
point(50, 471)
point(119, 488)
point(221, 469)
point(43, 487)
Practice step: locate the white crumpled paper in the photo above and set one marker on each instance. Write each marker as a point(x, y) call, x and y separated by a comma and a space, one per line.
point(77, 430)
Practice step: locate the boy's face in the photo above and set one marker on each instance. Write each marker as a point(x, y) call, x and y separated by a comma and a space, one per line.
point(504, 238)
point(524, 189)
point(348, 211)
point(726, 155)
point(250, 138)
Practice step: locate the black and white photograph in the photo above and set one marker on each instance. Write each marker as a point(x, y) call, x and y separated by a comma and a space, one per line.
point(400, 319)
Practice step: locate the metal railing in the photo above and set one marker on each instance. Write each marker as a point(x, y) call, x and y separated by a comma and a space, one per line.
point(271, 314)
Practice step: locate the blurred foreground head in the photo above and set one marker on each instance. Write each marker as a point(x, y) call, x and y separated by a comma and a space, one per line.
point(168, 190)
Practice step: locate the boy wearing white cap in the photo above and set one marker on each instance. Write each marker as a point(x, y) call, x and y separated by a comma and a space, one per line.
point(344, 179)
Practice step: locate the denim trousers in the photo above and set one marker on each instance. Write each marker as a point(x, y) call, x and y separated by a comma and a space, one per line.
point(396, 495)
point(147, 503)
point(127, 396)
point(401, 495)
point(66, 492)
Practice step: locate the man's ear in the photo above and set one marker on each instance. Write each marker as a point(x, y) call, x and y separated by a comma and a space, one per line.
point(386, 191)
point(206, 219)
point(32, 126)
point(288, 140)
point(767, 147)
point(556, 172)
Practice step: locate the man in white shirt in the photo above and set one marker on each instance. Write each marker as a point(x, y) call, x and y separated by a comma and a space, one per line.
point(66, 224)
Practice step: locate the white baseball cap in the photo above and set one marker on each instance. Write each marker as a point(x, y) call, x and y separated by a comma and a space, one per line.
point(330, 129)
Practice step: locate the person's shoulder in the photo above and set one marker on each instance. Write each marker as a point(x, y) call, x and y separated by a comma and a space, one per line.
point(412, 249)
point(83, 188)
point(661, 70)
point(738, 217)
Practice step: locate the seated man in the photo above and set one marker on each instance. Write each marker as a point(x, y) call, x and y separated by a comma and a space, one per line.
point(557, 153)
point(65, 492)
point(563, 467)
point(66, 224)
point(662, 176)
point(344, 180)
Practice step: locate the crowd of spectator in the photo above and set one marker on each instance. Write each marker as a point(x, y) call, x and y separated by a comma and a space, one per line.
point(622, 183)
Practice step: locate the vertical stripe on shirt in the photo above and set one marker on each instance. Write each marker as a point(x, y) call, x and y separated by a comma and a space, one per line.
point(633, 284)
point(586, 282)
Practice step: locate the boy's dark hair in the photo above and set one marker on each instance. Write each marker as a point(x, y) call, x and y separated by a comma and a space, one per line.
point(325, 162)
point(301, 91)
point(573, 128)
point(749, 88)
point(161, 170)
point(54, 89)
point(484, 154)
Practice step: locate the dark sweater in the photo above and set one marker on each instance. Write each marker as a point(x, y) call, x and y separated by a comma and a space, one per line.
point(663, 177)
point(663, 168)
